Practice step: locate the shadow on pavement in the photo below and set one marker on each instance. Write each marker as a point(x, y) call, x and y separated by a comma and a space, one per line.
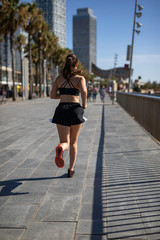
point(98, 227)
point(10, 185)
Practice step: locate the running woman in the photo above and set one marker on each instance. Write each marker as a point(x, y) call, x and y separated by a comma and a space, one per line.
point(68, 115)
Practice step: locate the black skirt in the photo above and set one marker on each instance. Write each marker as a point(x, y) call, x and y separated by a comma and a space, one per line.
point(68, 113)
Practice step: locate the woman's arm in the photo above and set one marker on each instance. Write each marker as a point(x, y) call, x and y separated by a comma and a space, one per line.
point(83, 90)
point(53, 93)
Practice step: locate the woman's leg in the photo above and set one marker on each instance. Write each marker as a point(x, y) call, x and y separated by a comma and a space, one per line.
point(74, 133)
point(64, 132)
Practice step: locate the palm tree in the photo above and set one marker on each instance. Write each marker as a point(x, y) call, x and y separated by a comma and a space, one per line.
point(10, 22)
point(32, 23)
point(6, 54)
point(47, 44)
point(51, 45)
point(35, 59)
point(20, 42)
point(4, 32)
point(0, 60)
point(42, 38)
point(49, 52)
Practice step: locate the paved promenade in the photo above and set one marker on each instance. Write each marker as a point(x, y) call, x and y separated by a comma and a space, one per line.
point(115, 193)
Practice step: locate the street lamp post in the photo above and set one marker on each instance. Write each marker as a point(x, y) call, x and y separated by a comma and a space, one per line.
point(138, 14)
point(23, 83)
point(115, 63)
point(44, 65)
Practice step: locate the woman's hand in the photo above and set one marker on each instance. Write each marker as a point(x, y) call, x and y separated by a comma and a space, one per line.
point(83, 90)
point(84, 106)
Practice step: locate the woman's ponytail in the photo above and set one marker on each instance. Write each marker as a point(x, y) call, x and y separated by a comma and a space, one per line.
point(71, 61)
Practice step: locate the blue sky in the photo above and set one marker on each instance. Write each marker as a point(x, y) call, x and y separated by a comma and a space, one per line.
point(114, 33)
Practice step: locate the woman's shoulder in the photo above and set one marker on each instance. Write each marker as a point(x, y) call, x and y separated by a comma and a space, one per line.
point(60, 78)
point(79, 77)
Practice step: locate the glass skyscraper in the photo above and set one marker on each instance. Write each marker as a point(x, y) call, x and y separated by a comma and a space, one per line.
point(55, 16)
point(84, 36)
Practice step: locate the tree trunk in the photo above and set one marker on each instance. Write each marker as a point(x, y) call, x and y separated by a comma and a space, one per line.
point(6, 56)
point(52, 69)
point(40, 69)
point(1, 61)
point(21, 61)
point(13, 64)
point(36, 81)
point(30, 66)
point(47, 78)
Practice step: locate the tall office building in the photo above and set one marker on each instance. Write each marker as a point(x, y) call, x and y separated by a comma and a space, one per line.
point(84, 36)
point(55, 16)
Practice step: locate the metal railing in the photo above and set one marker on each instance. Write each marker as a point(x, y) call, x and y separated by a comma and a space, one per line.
point(145, 109)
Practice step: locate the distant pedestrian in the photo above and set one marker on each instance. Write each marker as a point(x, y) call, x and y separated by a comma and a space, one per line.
point(95, 91)
point(102, 92)
point(3, 94)
point(110, 91)
point(89, 94)
point(68, 115)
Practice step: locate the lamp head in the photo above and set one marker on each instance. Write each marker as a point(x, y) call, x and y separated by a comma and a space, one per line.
point(137, 31)
point(139, 14)
point(140, 7)
point(139, 24)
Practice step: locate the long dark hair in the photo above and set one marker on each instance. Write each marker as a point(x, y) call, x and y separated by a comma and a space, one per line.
point(68, 70)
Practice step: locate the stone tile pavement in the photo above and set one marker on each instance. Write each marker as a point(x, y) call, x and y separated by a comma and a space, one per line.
point(114, 195)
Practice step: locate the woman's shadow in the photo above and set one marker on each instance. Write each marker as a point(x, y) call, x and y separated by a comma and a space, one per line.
point(9, 185)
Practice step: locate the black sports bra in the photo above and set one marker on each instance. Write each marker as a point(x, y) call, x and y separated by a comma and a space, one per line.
point(68, 91)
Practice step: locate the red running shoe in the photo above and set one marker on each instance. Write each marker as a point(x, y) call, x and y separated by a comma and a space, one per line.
point(59, 161)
